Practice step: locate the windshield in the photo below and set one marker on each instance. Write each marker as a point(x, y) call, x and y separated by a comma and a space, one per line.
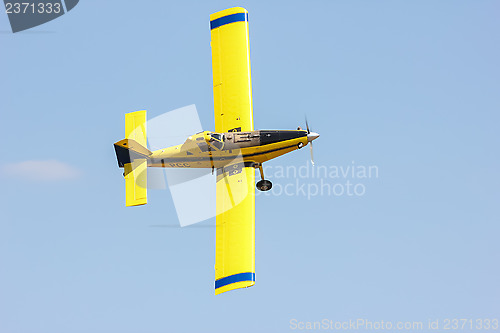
point(216, 136)
point(217, 140)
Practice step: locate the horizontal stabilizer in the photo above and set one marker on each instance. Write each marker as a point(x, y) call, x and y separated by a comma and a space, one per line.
point(136, 183)
point(132, 154)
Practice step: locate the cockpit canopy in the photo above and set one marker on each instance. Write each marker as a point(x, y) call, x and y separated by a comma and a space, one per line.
point(217, 140)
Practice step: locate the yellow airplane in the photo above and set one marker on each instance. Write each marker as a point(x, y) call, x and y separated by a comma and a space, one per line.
point(234, 149)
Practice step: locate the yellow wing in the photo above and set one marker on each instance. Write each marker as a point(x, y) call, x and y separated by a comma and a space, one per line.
point(231, 71)
point(235, 235)
point(235, 232)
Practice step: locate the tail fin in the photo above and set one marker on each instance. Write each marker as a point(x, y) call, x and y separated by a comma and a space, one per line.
point(128, 150)
point(132, 155)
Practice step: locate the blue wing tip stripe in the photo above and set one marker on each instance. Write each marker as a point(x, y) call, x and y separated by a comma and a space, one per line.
point(234, 278)
point(238, 17)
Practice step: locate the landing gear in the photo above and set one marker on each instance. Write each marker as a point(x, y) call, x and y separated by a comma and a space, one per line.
point(264, 184)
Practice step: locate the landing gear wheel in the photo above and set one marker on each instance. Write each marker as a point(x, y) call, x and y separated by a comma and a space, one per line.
point(264, 185)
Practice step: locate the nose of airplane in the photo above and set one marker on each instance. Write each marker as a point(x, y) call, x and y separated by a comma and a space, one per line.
point(312, 136)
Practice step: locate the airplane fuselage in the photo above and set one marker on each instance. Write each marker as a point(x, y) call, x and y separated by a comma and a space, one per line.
point(216, 150)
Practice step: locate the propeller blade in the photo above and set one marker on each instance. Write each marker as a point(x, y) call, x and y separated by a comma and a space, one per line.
point(310, 137)
point(312, 155)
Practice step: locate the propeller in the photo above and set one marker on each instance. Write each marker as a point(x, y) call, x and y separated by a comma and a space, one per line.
point(310, 137)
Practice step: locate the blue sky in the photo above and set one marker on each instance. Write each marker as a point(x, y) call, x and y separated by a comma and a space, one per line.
point(410, 87)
